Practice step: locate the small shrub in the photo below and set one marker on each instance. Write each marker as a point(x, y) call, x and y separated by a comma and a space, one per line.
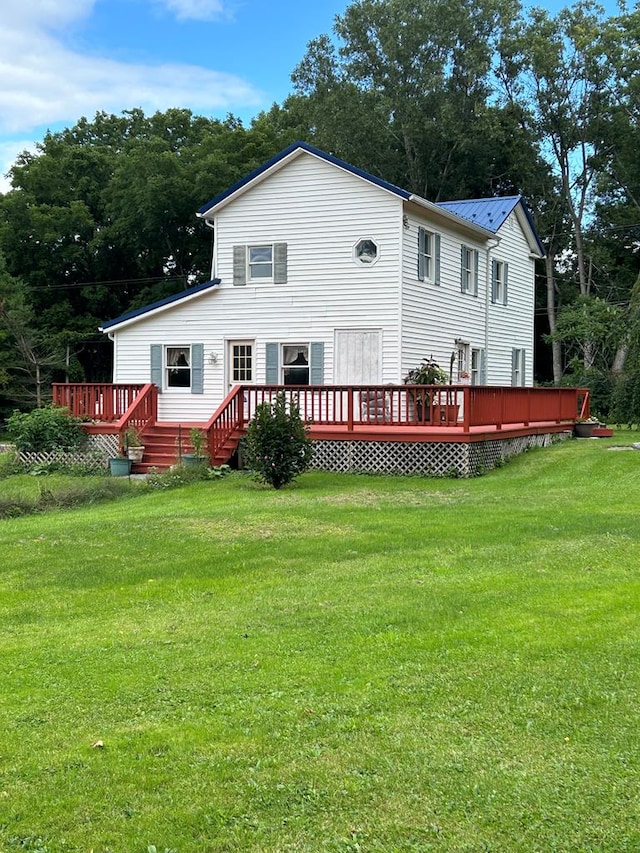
point(278, 448)
point(10, 464)
point(46, 429)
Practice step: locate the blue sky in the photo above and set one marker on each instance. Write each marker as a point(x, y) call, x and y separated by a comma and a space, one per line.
point(63, 59)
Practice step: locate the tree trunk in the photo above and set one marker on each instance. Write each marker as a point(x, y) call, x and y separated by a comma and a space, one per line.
point(556, 348)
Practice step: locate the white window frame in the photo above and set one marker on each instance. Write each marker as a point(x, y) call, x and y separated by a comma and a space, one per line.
point(173, 370)
point(463, 350)
point(498, 285)
point(301, 347)
point(469, 283)
point(259, 263)
point(236, 379)
point(427, 255)
point(362, 259)
point(517, 367)
point(475, 366)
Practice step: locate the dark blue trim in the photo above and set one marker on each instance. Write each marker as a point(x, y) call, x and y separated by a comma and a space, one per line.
point(304, 146)
point(176, 297)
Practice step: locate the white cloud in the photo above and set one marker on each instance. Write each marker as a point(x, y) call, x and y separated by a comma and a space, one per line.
point(43, 82)
point(198, 10)
point(8, 154)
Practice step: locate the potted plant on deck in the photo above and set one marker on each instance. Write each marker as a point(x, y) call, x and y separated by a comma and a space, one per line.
point(428, 372)
point(198, 441)
point(132, 442)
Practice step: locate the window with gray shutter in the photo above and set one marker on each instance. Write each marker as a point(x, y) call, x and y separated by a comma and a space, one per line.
point(239, 265)
point(155, 359)
point(280, 263)
point(197, 368)
point(316, 349)
point(271, 364)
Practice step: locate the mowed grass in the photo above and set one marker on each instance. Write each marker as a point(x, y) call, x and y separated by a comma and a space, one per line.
point(350, 664)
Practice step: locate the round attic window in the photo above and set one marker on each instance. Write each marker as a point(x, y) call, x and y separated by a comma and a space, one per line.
point(365, 252)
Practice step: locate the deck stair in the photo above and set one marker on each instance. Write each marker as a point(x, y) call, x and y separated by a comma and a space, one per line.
point(165, 442)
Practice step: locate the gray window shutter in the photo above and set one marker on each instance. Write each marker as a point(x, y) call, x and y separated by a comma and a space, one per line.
point(239, 265)
point(514, 366)
point(155, 358)
point(505, 272)
point(271, 364)
point(421, 240)
point(197, 368)
point(280, 263)
point(483, 367)
point(523, 378)
point(463, 268)
point(436, 250)
point(316, 371)
point(476, 266)
point(494, 274)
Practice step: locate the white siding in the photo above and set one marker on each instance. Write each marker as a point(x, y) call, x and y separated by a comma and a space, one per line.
point(320, 212)
point(510, 326)
point(434, 316)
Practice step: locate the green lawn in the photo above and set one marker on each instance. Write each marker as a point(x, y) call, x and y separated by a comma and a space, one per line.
point(349, 664)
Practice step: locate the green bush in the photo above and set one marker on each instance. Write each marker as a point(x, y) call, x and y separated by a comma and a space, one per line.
point(277, 445)
point(626, 399)
point(46, 429)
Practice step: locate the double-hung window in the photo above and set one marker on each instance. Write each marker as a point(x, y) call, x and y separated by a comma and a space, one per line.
point(499, 276)
point(428, 256)
point(259, 262)
point(517, 367)
point(469, 261)
point(178, 367)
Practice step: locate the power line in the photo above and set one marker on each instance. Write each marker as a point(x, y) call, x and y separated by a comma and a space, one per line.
point(112, 282)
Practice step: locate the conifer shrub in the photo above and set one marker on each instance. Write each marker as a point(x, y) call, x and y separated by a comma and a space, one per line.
point(277, 445)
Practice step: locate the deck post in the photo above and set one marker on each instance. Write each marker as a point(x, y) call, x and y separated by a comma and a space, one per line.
point(350, 408)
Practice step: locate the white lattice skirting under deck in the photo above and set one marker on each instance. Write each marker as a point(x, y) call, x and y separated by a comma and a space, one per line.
point(428, 459)
point(97, 451)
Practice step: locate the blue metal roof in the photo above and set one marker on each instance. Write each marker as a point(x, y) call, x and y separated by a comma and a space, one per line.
point(489, 213)
point(492, 213)
point(310, 149)
point(168, 300)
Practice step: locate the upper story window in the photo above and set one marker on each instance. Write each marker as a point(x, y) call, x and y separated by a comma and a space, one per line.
point(428, 256)
point(259, 262)
point(365, 252)
point(499, 276)
point(469, 260)
point(178, 367)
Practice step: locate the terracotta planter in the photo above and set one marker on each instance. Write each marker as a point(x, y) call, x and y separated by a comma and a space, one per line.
point(446, 414)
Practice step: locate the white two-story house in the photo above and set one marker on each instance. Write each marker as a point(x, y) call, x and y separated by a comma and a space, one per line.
point(324, 274)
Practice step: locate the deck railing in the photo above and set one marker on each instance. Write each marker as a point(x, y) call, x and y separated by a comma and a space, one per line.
point(352, 406)
point(98, 401)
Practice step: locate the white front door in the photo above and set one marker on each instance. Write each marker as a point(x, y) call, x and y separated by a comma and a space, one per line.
point(358, 357)
point(240, 362)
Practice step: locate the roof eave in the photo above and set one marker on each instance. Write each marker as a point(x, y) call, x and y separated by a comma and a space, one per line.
point(131, 317)
point(452, 217)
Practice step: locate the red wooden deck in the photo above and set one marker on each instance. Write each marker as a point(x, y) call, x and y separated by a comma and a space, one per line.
point(451, 413)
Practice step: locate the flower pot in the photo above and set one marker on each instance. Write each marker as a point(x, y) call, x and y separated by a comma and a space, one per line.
point(584, 430)
point(119, 466)
point(135, 454)
point(192, 459)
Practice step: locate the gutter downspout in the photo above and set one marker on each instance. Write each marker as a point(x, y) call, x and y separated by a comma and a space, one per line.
point(491, 244)
point(211, 224)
